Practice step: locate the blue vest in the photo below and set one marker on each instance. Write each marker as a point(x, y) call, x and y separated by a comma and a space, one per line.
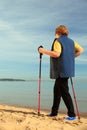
point(64, 66)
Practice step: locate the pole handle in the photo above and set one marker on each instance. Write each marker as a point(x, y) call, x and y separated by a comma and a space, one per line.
point(41, 55)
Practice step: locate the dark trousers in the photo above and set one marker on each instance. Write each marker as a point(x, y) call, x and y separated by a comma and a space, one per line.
point(61, 89)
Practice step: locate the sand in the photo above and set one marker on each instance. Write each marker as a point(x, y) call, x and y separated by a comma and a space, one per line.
point(18, 118)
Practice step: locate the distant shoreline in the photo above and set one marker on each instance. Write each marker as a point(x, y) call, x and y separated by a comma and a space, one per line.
point(48, 80)
point(6, 79)
point(12, 79)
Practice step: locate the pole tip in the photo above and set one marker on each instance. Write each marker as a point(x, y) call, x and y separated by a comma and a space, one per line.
point(38, 113)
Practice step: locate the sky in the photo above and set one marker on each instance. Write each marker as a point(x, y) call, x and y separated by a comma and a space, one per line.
point(27, 24)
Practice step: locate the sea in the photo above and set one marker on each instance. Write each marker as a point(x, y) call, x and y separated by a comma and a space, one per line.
point(25, 93)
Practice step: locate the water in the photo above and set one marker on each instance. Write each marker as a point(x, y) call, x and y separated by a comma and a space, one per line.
point(25, 93)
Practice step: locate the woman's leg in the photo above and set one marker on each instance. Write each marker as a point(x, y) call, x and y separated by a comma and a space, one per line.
point(67, 97)
point(56, 96)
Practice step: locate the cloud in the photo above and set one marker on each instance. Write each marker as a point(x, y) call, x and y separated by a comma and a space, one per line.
point(4, 26)
point(26, 24)
point(82, 60)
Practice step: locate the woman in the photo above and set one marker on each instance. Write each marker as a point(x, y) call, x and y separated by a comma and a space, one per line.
point(62, 67)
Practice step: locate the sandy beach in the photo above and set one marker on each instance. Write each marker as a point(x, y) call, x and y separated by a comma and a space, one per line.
point(18, 118)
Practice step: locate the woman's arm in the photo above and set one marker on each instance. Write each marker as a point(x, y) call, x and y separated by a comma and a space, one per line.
point(78, 49)
point(50, 53)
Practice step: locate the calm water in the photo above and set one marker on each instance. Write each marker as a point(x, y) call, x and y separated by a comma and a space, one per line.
point(26, 94)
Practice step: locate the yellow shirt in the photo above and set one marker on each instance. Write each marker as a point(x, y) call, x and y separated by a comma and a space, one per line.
point(57, 46)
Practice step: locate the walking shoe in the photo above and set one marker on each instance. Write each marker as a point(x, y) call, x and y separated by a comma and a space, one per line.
point(51, 115)
point(70, 118)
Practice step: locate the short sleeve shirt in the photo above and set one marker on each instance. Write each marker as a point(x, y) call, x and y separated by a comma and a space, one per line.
point(57, 46)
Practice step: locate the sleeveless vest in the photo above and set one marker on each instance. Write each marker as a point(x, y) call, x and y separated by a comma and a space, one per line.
point(63, 66)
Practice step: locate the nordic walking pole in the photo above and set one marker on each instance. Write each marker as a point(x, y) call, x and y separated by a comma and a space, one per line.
point(39, 83)
point(77, 110)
